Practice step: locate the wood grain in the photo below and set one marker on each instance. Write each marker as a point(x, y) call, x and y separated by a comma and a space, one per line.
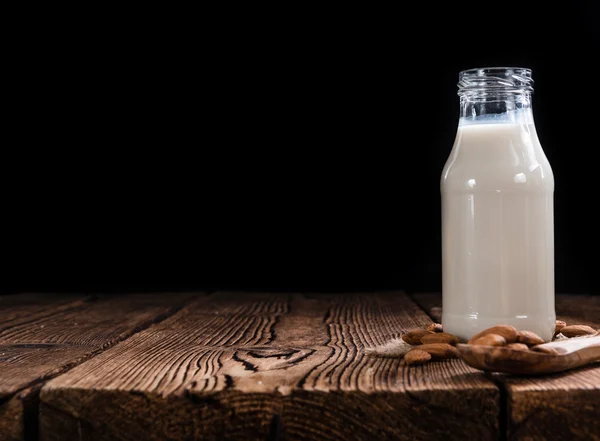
point(42, 336)
point(560, 406)
point(268, 366)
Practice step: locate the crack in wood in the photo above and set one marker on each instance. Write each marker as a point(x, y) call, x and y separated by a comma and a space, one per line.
point(247, 365)
point(275, 428)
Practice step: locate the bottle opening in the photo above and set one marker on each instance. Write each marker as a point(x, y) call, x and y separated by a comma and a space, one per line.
point(495, 95)
point(495, 80)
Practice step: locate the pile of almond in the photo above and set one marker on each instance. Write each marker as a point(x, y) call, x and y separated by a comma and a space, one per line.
point(434, 344)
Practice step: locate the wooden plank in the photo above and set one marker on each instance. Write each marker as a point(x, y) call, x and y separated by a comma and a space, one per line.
point(16, 311)
point(559, 407)
point(42, 336)
point(431, 302)
point(19, 415)
point(579, 309)
point(25, 304)
point(562, 406)
point(268, 366)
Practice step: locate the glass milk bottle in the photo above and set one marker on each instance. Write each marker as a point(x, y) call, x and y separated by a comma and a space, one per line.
point(497, 211)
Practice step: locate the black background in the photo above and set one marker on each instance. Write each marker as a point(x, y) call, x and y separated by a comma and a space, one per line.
point(278, 150)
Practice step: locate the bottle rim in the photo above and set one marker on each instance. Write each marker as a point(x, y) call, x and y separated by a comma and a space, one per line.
point(495, 79)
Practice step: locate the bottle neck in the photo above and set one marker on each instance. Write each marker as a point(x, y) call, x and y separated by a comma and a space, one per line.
point(495, 108)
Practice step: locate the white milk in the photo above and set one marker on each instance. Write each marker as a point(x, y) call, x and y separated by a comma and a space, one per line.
point(497, 228)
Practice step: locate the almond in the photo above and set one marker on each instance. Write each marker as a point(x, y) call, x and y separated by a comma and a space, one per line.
point(490, 340)
point(414, 336)
point(559, 325)
point(545, 350)
point(435, 327)
point(508, 332)
point(417, 356)
point(440, 337)
point(518, 346)
point(440, 350)
point(529, 338)
point(577, 330)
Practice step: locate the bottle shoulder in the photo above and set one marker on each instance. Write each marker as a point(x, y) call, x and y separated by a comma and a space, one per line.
point(497, 164)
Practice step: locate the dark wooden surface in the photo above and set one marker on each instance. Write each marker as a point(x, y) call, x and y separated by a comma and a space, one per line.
point(260, 366)
point(42, 336)
point(555, 407)
point(264, 366)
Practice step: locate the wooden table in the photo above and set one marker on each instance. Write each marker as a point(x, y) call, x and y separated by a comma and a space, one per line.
point(264, 366)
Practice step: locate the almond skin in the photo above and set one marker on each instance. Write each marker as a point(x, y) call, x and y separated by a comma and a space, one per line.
point(440, 350)
point(529, 338)
point(518, 346)
point(435, 327)
point(509, 333)
point(577, 330)
point(490, 340)
point(416, 356)
point(440, 337)
point(414, 336)
point(559, 325)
